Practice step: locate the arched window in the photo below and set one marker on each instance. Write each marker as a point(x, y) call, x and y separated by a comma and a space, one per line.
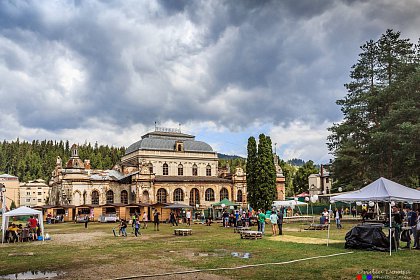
point(150, 168)
point(208, 170)
point(124, 197)
point(178, 195)
point(76, 198)
point(109, 196)
point(146, 197)
point(224, 194)
point(180, 170)
point(194, 197)
point(161, 196)
point(209, 195)
point(95, 198)
point(239, 196)
point(84, 197)
point(194, 170)
point(165, 169)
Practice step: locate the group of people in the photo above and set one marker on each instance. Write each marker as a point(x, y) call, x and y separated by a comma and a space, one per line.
point(276, 221)
point(16, 232)
point(412, 220)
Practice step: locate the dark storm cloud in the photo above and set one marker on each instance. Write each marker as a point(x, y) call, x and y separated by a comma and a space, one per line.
point(229, 62)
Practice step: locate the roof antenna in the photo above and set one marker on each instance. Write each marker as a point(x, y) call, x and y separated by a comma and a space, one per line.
point(155, 126)
point(275, 148)
point(179, 127)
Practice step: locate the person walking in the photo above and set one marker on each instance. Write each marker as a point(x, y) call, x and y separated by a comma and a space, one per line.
point(156, 220)
point(145, 219)
point(273, 220)
point(280, 220)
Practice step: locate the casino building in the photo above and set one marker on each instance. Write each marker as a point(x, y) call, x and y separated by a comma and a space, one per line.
point(164, 167)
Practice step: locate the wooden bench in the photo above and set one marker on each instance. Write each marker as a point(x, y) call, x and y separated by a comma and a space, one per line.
point(251, 234)
point(182, 232)
point(240, 229)
point(317, 227)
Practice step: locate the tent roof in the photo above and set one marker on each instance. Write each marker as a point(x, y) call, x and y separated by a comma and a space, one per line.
point(226, 202)
point(22, 211)
point(381, 190)
point(288, 203)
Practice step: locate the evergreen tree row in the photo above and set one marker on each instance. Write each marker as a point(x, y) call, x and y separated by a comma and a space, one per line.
point(36, 159)
point(379, 136)
point(261, 173)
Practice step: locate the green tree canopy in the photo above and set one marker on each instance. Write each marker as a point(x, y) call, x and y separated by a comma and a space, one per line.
point(380, 131)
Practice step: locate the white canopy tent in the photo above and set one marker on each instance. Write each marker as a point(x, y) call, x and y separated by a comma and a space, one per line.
point(289, 203)
point(21, 211)
point(383, 190)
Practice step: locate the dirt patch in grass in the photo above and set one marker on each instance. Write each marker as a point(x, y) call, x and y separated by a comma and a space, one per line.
point(140, 267)
point(305, 240)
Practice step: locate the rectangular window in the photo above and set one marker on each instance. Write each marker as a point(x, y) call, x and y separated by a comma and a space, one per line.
point(39, 193)
point(39, 200)
point(28, 193)
point(28, 200)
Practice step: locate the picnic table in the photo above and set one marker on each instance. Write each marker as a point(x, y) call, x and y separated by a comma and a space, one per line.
point(251, 234)
point(183, 231)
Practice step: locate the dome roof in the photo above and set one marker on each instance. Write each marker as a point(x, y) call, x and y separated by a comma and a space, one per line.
point(167, 141)
point(168, 145)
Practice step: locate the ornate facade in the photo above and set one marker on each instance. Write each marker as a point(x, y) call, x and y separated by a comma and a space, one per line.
point(164, 166)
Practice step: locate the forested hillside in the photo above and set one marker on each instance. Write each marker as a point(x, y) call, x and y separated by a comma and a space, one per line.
point(36, 159)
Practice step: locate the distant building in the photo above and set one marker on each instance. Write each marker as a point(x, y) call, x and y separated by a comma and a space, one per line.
point(12, 189)
point(34, 193)
point(320, 183)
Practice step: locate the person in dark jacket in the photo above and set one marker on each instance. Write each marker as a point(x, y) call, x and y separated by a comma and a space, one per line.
point(280, 220)
point(396, 215)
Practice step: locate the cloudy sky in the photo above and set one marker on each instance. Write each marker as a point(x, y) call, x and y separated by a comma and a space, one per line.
point(105, 71)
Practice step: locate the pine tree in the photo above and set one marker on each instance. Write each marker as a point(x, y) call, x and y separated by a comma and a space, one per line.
point(381, 116)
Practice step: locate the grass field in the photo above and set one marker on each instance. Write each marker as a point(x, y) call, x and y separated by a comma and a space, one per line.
point(94, 253)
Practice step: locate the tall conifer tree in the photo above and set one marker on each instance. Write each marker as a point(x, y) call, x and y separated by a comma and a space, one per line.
point(251, 169)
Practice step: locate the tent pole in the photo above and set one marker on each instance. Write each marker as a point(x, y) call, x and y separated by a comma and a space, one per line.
point(390, 231)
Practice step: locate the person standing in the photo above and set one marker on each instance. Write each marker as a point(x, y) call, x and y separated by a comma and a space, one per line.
point(188, 217)
point(145, 219)
point(32, 225)
point(273, 220)
point(338, 216)
point(412, 223)
point(137, 227)
point(123, 228)
point(280, 220)
point(353, 212)
point(417, 240)
point(261, 221)
point(397, 225)
point(86, 221)
point(156, 220)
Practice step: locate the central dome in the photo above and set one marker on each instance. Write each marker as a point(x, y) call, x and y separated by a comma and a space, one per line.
point(167, 141)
